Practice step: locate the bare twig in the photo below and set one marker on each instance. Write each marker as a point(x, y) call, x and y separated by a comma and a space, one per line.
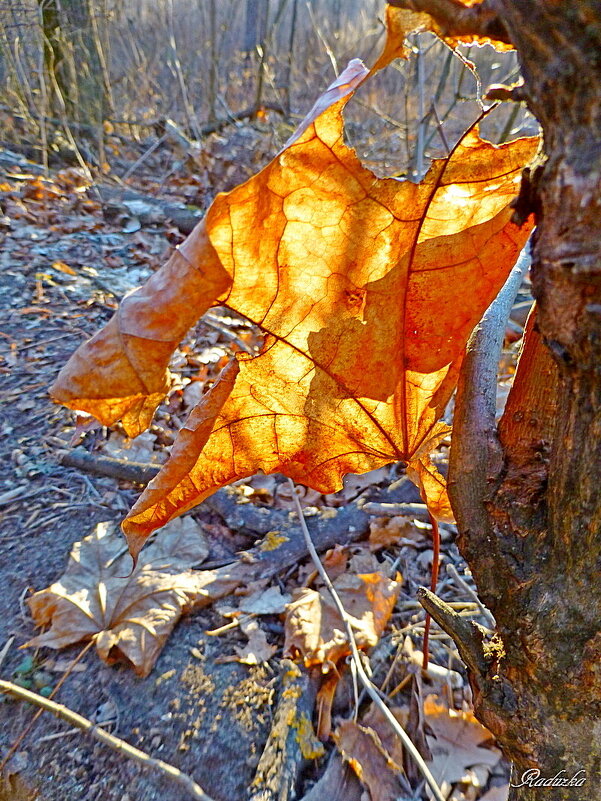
point(466, 634)
point(116, 743)
point(462, 584)
point(370, 688)
point(476, 456)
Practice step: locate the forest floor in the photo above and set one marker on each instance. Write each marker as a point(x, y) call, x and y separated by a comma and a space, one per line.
point(68, 254)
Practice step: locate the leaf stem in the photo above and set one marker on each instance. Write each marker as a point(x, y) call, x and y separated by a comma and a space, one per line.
point(433, 583)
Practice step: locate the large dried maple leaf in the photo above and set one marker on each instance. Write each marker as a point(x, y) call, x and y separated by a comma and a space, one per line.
point(367, 290)
point(127, 617)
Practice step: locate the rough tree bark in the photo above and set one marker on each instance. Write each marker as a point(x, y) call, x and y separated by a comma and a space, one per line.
point(528, 496)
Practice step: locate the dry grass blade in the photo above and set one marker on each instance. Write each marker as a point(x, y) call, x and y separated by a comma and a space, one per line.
point(362, 675)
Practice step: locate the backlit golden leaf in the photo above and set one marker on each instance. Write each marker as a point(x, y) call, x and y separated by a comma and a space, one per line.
point(402, 21)
point(367, 290)
point(350, 277)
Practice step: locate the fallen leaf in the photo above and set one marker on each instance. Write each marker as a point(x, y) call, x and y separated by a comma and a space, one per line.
point(335, 561)
point(361, 747)
point(314, 629)
point(128, 617)
point(385, 531)
point(375, 720)
point(364, 561)
point(266, 602)
point(256, 651)
point(456, 742)
point(366, 289)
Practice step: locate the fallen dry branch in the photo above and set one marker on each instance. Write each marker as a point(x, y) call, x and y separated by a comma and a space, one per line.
point(291, 741)
point(186, 782)
point(335, 527)
point(139, 472)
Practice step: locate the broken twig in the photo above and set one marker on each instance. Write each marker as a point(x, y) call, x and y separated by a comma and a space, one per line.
point(116, 743)
point(467, 635)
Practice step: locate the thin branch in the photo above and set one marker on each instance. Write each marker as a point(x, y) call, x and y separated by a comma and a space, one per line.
point(467, 635)
point(456, 19)
point(116, 743)
point(476, 456)
point(370, 688)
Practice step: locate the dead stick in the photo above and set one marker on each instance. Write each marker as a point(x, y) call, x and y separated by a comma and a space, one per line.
point(79, 722)
point(467, 635)
point(140, 472)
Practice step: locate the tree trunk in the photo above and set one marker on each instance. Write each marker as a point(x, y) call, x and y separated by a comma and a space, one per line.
point(75, 61)
point(528, 497)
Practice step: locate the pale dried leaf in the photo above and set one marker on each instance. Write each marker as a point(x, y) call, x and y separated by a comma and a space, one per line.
point(456, 742)
point(361, 747)
point(315, 630)
point(128, 616)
